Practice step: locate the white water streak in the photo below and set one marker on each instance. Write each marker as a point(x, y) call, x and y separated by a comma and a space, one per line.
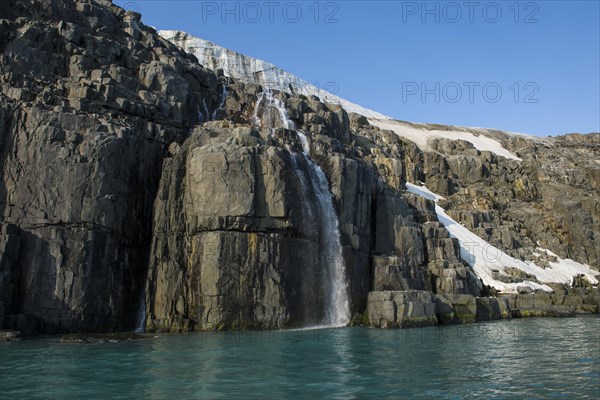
point(222, 103)
point(335, 285)
point(141, 317)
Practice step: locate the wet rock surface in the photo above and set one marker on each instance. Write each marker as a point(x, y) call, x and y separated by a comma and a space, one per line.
point(98, 338)
point(10, 336)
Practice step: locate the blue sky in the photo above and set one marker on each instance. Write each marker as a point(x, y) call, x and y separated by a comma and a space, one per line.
point(528, 66)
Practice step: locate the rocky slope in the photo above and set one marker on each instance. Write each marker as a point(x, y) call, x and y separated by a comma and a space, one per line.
point(141, 189)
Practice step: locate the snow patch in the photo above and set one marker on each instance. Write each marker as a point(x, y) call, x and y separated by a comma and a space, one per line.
point(564, 269)
point(422, 136)
point(487, 259)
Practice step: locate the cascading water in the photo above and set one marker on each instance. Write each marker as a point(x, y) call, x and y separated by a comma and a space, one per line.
point(141, 317)
point(206, 115)
point(335, 285)
point(280, 117)
point(205, 109)
point(222, 104)
point(338, 307)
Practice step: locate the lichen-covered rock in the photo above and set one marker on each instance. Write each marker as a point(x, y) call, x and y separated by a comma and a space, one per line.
point(456, 308)
point(9, 336)
point(491, 308)
point(564, 301)
point(401, 309)
point(548, 200)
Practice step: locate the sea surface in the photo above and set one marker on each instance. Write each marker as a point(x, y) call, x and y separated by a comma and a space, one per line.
point(518, 359)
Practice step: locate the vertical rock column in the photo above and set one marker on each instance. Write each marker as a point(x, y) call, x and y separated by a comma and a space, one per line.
point(234, 245)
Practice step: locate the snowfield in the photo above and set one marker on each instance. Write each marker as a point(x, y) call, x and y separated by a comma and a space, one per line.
point(422, 136)
point(487, 259)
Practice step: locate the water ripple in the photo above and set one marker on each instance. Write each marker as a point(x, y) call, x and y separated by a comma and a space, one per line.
point(534, 359)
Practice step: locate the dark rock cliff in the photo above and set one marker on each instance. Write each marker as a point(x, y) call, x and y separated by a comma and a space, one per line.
point(90, 101)
point(235, 241)
point(117, 194)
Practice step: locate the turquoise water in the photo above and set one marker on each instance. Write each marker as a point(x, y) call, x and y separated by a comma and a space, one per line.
point(528, 358)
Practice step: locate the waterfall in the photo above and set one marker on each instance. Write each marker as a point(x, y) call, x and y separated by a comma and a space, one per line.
point(201, 117)
point(330, 251)
point(206, 115)
point(205, 109)
point(335, 284)
point(273, 119)
point(141, 317)
point(222, 103)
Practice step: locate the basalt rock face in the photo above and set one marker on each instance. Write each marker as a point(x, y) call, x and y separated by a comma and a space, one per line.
point(236, 243)
point(550, 199)
point(113, 196)
point(90, 101)
point(135, 179)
